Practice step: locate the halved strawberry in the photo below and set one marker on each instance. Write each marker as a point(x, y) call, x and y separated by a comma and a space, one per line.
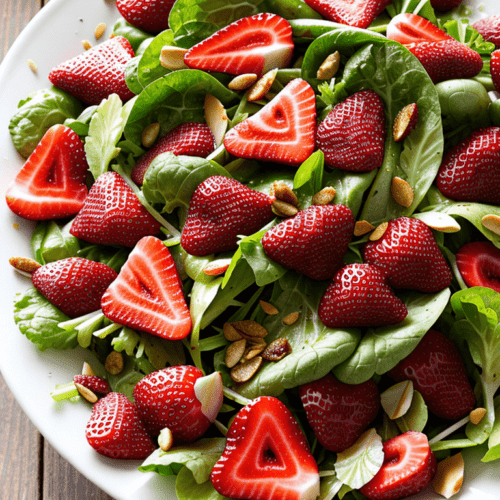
point(339, 413)
point(469, 171)
point(409, 465)
point(438, 372)
point(357, 13)
point(282, 131)
point(495, 69)
point(352, 136)
point(74, 285)
point(97, 73)
point(313, 242)
point(51, 184)
point(147, 294)
point(115, 430)
point(410, 28)
point(221, 209)
point(479, 264)
point(113, 215)
point(96, 384)
point(191, 139)
point(489, 29)
point(253, 44)
point(266, 456)
point(149, 16)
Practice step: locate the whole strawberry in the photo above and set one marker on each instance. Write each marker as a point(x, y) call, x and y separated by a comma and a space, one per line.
point(148, 15)
point(495, 69)
point(489, 29)
point(96, 384)
point(74, 285)
point(352, 136)
point(438, 373)
point(339, 413)
point(410, 256)
point(479, 264)
point(313, 242)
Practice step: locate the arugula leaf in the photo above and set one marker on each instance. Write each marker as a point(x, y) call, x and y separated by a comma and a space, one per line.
point(51, 242)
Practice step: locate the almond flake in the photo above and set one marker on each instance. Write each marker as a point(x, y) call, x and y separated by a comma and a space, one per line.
point(216, 118)
point(291, 318)
point(439, 221)
point(449, 476)
point(284, 193)
point(283, 209)
point(362, 227)
point(277, 350)
point(150, 134)
point(165, 439)
point(402, 192)
point(329, 67)
point(397, 399)
point(261, 87)
point(231, 333)
point(114, 363)
point(491, 222)
point(86, 44)
point(379, 231)
point(172, 57)
point(245, 371)
point(268, 308)
point(86, 393)
point(234, 352)
point(24, 265)
point(87, 369)
point(476, 415)
point(250, 328)
point(242, 82)
point(99, 30)
point(32, 65)
point(325, 196)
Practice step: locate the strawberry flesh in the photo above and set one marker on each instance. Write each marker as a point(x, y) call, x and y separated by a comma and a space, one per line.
point(409, 28)
point(479, 264)
point(150, 15)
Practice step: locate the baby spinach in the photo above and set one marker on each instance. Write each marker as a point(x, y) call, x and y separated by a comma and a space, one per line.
point(149, 68)
point(80, 125)
point(290, 9)
point(134, 35)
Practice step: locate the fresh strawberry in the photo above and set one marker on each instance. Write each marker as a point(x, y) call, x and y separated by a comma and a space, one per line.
point(147, 294)
point(266, 456)
point(51, 184)
point(253, 44)
point(410, 256)
point(409, 465)
point(357, 13)
point(313, 242)
point(97, 73)
point(360, 296)
point(469, 171)
point(180, 398)
point(339, 413)
point(74, 285)
point(411, 28)
point(221, 209)
point(479, 264)
point(113, 215)
point(438, 372)
point(96, 384)
point(148, 15)
point(495, 69)
point(191, 139)
point(282, 131)
point(352, 136)
point(115, 430)
point(445, 5)
point(489, 29)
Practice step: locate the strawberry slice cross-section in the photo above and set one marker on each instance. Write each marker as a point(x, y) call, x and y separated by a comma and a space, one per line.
point(147, 294)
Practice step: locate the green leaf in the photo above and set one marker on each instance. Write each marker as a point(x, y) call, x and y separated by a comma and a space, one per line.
point(149, 68)
point(131, 75)
point(134, 35)
point(423, 8)
point(308, 179)
point(51, 242)
point(415, 419)
point(290, 9)
point(462, 31)
point(493, 452)
point(186, 488)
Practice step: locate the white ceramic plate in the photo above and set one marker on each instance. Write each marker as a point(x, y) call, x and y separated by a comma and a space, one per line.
point(53, 36)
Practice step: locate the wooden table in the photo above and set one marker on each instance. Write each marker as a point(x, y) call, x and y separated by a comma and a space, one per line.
point(30, 469)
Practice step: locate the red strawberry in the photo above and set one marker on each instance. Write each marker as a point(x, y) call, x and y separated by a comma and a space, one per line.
point(282, 131)
point(221, 209)
point(358, 13)
point(148, 15)
point(51, 184)
point(409, 465)
point(115, 430)
point(113, 215)
point(266, 456)
point(96, 384)
point(445, 5)
point(438, 372)
point(339, 413)
point(180, 398)
point(147, 294)
point(352, 136)
point(97, 73)
point(410, 256)
point(495, 69)
point(74, 285)
point(313, 242)
point(253, 44)
point(191, 139)
point(360, 296)
point(489, 29)
point(411, 28)
point(479, 264)
point(469, 171)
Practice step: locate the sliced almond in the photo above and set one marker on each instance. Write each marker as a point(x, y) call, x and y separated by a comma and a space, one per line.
point(439, 221)
point(234, 352)
point(242, 82)
point(476, 415)
point(362, 227)
point(24, 265)
point(231, 333)
point(277, 350)
point(329, 67)
point(379, 231)
point(86, 44)
point(405, 122)
point(172, 57)
point(268, 308)
point(216, 117)
point(262, 86)
point(253, 351)
point(449, 476)
point(283, 209)
point(165, 439)
point(325, 196)
point(150, 134)
point(243, 372)
point(114, 363)
point(86, 393)
point(491, 222)
point(32, 65)
point(397, 399)
point(284, 193)
point(87, 369)
point(250, 328)
point(291, 318)
point(99, 30)
point(402, 192)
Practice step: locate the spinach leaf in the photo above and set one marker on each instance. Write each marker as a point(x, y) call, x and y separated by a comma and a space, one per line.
point(308, 179)
point(149, 68)
point(186, 488)
point(290, 9)
point(51, 242)
point(80, 125)
point(134, 35)
point(131, 75)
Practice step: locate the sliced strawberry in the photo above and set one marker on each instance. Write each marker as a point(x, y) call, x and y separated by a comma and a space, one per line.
point(411, 28)
point(51, 184)
point(469, 171)
point(115, 430)
point(113, 215)
point(479, 264)
point(352, 136)
point(169, 398)
point(253, 44)
point(97, 73)
point(489, 29)
point(147, 295)
point(410, 256)
point(221, 209)
point(438, 373)
point(339, 413)
point(360, 296)
point(191, 139)
point(266, 456)
point(313, 242)
point(282, 131)
point(74, 285)
point(357, 13)
point(409, 465)
point(149, 16)
point(96, 384)
point(495, 69)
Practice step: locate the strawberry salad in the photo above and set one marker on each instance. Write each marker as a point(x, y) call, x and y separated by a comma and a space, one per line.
point(276, 229)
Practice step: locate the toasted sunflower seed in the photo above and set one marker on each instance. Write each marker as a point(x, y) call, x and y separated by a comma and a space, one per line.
point(216, 117)
point(114, 363)
point(87, 369)
point(243, 372)
point(262, 86)
point(449, 476)
point(284, 193)
point(86, 393)
point(325, 196)
point(253, 351)
point(231, 333)
point(234, 352)
point(329, 67)
point(172, 57)
point(379, 231)
point(291, 318)
point(402, 192)
point(282, 209)
point(165, 439)
point(268, 308)
point(32, 65)
point(250, 328)
point(242, 82)
point(362, 227)
point(86, 44)
point(150, 134)
point(491, 222)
